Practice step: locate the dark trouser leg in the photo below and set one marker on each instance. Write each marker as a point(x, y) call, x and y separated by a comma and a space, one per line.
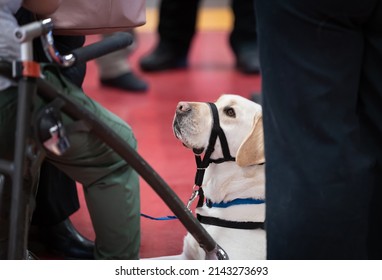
point(319, 175)
point(370, 120)
point(244, 27)
point(176, 29)
point(177, 23)
point(56, 201)
point(56, 198)
point(243, 38)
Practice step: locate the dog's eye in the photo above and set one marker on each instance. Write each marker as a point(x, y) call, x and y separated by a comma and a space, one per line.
point(230, 112)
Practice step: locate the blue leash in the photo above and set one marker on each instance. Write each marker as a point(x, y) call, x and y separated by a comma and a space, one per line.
point(165, 218)
point(238, 201)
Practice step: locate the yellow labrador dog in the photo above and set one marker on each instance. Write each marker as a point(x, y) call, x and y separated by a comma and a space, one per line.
point(234, 180)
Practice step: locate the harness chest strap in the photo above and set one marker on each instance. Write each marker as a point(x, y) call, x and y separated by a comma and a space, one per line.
point(229, 224)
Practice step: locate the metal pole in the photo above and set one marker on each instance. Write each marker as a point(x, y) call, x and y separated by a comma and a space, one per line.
point(19, 213)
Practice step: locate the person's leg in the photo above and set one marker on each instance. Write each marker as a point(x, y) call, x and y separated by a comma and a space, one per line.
point(115, 70)
point(370, 116)
point(56, 198)
point(318, 176)
point(176, 28)
point(243, 38)
point(177, 23)
point(56, 201)
point(111, 187)
point(8, 107)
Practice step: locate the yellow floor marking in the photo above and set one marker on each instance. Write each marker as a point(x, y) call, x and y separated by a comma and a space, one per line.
point(209, 19)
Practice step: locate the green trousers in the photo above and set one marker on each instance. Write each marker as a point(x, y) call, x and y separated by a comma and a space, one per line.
point(111, 186)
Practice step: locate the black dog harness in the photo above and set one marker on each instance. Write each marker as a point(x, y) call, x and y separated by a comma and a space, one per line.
point(216, 132)
point(202, 164)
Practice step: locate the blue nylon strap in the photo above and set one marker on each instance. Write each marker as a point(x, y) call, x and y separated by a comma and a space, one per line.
point(165, 218)
point(238, 201)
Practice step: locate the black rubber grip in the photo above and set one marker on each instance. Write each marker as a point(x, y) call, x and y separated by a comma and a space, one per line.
point(110, 44)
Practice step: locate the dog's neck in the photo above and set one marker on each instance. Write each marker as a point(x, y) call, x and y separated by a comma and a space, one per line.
point(233, 182)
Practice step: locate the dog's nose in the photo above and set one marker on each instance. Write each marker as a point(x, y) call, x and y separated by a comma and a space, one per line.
point(183, 107)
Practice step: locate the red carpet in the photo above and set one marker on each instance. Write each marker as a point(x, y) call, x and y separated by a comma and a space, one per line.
point(210, 74)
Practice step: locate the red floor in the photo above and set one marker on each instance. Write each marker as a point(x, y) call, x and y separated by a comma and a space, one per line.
point(210, 74)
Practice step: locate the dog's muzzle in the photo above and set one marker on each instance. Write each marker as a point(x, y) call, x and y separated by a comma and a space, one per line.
point(183, 109)
point(176, 128)
point(181, 126)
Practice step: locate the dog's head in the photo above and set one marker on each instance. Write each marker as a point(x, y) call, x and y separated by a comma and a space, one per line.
point(240, 119)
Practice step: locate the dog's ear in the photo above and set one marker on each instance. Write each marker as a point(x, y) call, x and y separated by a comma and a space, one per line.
point(251, 151)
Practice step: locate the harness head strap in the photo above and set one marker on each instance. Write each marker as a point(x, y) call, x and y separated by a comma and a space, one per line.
point(202, 164)
point(218, 131)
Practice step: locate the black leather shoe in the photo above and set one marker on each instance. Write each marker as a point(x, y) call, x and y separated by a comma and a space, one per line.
point(247, 61)
point(247, 55)
point(128, 81)
point(64, 240)
point(163, 58)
